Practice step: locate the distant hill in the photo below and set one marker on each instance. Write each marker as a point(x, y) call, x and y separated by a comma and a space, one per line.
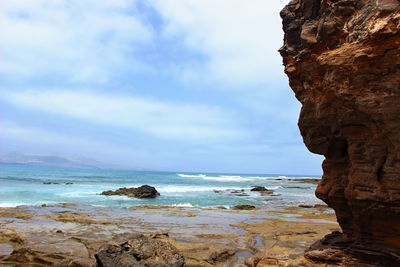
point(48, 160)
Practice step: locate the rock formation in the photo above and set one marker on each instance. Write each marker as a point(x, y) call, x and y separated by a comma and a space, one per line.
point(244, 207)
point(343, 62)
point(139, 251)
point(259, 189)
point(144, 191)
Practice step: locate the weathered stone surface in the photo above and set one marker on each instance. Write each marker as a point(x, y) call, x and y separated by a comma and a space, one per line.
point(343, 62)
point(139, 251)
point(144, 191)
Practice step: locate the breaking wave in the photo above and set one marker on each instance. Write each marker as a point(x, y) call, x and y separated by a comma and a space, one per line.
point(191, 175)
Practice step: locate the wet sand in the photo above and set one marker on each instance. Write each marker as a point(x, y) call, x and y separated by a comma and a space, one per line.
point(70, 234)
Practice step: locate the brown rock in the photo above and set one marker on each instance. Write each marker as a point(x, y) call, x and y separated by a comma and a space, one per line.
point(268, 263)
point(321, 206)
point(244, 207)
point(343, 62)
point(81, 263)
point(305, 206)
point(252, 261)
point(259, 189)
point(139, 251)
point(144, 191)
point(25, 255)
point(220, 255)
point(325, 255)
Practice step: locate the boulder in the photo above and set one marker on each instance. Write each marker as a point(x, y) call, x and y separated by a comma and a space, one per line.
point(139, 251)
point(259, 189)
point(244, 207)
point(144, 191)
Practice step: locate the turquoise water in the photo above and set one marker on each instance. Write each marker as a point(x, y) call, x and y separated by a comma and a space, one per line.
point(24, 185)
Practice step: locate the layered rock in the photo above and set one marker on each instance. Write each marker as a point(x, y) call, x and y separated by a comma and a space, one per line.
point(343, 62)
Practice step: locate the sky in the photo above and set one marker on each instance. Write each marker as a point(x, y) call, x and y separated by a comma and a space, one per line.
point(177, 85)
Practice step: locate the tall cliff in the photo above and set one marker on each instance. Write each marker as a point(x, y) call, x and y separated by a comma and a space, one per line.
point(342, 58)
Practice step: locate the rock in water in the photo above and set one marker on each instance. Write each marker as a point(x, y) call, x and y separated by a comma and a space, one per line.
point(139, 251)
point(145, 191)
point(259, 189)
point(343, 62)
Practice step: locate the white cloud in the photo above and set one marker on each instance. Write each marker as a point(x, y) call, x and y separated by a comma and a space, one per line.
point(10, 130)
point(82, 40)
point(175, 120)
point(91, 40)
point(240, 38)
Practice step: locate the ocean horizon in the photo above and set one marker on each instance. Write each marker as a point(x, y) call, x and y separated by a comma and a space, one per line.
point(24, 184)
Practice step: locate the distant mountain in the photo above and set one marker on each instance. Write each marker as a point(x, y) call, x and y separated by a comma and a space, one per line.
point(48, 160)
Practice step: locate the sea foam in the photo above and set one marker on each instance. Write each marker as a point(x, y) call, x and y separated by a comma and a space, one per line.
point(188, 189)
point(191, 175)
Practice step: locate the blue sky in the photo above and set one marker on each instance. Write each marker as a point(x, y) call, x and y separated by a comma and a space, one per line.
point(180, 85)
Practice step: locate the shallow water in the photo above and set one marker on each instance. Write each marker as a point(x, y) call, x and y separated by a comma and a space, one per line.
point(24, 185)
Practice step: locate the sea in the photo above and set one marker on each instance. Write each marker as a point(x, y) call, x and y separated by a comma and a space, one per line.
point(22, 184)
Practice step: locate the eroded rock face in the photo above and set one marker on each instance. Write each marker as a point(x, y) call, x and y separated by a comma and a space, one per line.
point(343, 62)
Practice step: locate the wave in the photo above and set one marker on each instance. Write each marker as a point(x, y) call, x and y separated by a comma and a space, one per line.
point(23, 179)
point(25, 203)
point(221, 178)
point(227, 178)
point(187, 189)
point(182, 205)
point(306, 177)
point(12, 204)
point(191, 175)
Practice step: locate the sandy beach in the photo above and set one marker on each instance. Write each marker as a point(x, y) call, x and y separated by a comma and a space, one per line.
point(70, 234)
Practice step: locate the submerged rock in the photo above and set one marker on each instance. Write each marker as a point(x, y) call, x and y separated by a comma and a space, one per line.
point(342, 59)
point(139, 251)
point(144, 191)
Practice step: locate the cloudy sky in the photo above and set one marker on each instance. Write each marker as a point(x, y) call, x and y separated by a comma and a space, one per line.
point(180, 85)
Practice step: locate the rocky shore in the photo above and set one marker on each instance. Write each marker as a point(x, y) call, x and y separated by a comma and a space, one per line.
point(72, 234)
